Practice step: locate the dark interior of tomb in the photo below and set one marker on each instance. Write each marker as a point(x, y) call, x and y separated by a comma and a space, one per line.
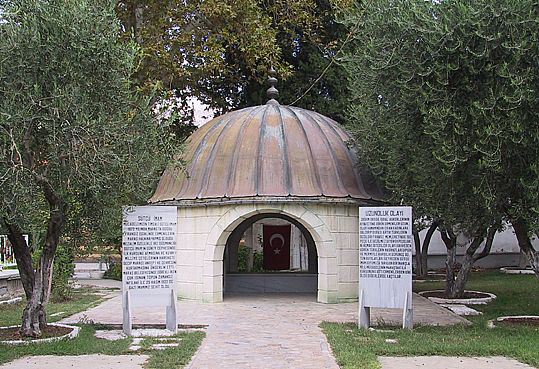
point(281, 259)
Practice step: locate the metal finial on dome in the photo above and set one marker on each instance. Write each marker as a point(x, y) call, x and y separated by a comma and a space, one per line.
point(272, 92)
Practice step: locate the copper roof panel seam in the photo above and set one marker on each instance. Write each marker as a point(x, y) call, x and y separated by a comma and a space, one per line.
point(287, 181)
point(223, 154)
point(272, 163)
point(356, 185)
point(352, 158)
point(211, 159)
point(245, 170)
point(233, 163)
point(309, 148)
point(259, 151)
point(175, 173)
point(336, 165)
point(171, 192)
point(196, 154)
point(358, 181)
point(159, 193)
point(198, 163)
point(165, 188)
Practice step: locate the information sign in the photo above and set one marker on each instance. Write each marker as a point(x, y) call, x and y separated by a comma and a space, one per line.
point(385, 258)
point(149, 257)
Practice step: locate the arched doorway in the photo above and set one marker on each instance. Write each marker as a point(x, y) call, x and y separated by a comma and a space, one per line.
point(223, 227)
point(270, 253)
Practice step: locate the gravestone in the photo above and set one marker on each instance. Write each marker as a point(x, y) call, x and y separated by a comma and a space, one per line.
point(385, 261)
point(149, 261)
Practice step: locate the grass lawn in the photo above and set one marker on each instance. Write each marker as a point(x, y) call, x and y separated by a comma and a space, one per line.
point(83, 299)
point(86, 343)
point(517, 295)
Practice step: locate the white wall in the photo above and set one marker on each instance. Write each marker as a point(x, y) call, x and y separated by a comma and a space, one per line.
point(504, 242)
point(203, 230)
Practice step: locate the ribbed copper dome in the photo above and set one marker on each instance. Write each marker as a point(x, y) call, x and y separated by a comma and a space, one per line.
point(267, 151)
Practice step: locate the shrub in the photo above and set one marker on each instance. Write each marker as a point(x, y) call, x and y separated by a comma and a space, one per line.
point(114, 271)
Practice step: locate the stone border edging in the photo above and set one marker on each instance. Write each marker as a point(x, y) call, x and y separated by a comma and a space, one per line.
point(74, 333)
point(464, 301)
point(427, 280)
point(11, 301)
point(492, 323)
point(508, 270)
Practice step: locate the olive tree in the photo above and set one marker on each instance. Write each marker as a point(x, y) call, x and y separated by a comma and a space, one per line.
point(72, 130)
point(445, 110)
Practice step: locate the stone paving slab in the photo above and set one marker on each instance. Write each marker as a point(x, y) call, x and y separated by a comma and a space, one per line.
point(450, 362)
point(78, 362)
point(266, 331)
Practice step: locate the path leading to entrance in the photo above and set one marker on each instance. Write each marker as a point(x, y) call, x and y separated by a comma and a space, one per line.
point(265, 331)
point(79, 362)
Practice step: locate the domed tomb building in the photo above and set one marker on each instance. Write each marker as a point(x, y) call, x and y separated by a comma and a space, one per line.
point(268, 202)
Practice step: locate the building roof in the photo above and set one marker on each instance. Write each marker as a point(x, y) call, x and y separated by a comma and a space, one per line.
point(267, 151)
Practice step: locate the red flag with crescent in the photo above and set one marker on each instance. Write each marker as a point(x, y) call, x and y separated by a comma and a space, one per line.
point(276, 246)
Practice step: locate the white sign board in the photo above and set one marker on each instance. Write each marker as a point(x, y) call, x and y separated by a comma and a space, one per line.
point(149, 257)
point(149, 250)
point(385, 256)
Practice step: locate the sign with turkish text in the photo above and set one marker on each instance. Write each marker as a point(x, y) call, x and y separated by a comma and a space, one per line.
point(149, 252)
point(385, 256)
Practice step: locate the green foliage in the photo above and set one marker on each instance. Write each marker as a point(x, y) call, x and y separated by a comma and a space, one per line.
point(219, 52)
point(444, 106)
point(114, 271)
point(243, 256)
point(71, 118)
point(64, 267)
point(258, 260)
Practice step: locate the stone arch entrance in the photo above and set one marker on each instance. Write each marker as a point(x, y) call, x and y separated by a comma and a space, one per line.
point(270, 253)
point(238, 214)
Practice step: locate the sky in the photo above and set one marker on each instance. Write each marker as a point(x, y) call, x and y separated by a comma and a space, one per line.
point(202, 115)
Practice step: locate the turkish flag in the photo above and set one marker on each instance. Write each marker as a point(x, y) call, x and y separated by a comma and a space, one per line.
point(276, 245)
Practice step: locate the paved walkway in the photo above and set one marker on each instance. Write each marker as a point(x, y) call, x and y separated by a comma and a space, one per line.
point(266, 331)
point(79, 362)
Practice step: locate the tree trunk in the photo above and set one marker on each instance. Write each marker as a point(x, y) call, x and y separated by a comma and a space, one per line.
point(455, 284)
point(521, 231)
point(450, 241)
point(425, 249)
point(470, 258)
point(23, 257)
point(418, 255)
point(34, 317)
point(422, 250)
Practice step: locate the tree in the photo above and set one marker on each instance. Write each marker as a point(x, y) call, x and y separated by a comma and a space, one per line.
point(422, 248)
point(219, 52)
point(445, 112)
point(76, 140)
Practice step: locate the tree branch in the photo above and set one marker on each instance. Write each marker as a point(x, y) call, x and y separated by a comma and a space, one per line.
point(488, 244)
point(22, 255)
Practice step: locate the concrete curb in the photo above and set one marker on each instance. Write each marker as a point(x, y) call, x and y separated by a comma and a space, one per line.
point(74, 333)
point(492, 323)
point(470, 301)
point(516, 271)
